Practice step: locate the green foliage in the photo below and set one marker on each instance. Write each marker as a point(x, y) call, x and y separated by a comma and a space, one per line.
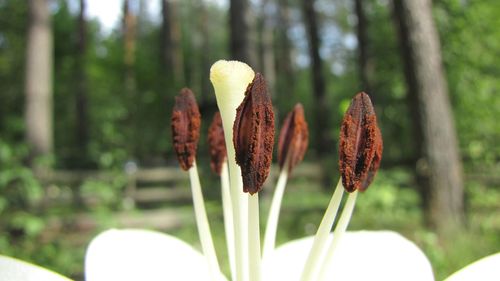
point(12, 51)
point(470, 45)
point(20, 194)
point(106, 195)
point(133, 122)
point(19, 190)
point(393, 200)
point(27, 225)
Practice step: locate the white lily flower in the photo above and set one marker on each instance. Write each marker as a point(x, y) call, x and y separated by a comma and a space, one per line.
point(485, 269)
point(136, 254)
point(148, 255)
point(133, 254)
point(12, 269)
point(360, 255)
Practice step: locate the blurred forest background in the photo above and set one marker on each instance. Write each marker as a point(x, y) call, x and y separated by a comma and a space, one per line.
point(85, 117)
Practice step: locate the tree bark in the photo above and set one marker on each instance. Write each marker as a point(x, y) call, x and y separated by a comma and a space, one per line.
point(38, 83)
point(285, 82)
point(240, 30)
point(129, 33)
point(81, 102)
point(129, 28)
point(364, 65)
point(440, 164)
point(171, 43)
point(321, 128)
point(166, 37)
point(205, 54)
point(265, 47)
point(142, 17)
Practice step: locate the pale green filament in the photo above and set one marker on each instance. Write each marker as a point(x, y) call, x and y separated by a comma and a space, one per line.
point(312, 265)
point(339, 231)
point(254, 237)
point(207, 243)
point(273, 217)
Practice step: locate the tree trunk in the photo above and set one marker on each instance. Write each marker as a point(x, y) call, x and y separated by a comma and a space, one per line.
point(265, 47)
point(142, 17)
point(171, 43)
point(38, 84)
point(285, 76)
point(81, 102)
point(166, 38)
point(440, 164)
point(364, 65)
point(321, 128)
point(204, 22)
point(129, 28)
point(173, 48)
point(239, 25)
point(129, 82)
point(187, 39)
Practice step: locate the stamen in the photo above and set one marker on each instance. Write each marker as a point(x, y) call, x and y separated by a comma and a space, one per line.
point(254, 135)
point(292, 146)
point(360, 152)
point(360, 149)
point(186, 121)
point(253, 139)
point(294, 138)
point(312, 265)
point(216, 144)
point(254, 258)
point(338, 233)
point(272, 220)
point(206, 240)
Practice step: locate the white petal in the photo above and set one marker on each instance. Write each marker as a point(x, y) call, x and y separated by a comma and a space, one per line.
point(134, 254)
point(18, 270)
point(485, 269)
point(361, 255)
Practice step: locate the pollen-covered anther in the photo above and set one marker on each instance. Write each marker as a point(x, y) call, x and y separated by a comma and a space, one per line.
point(360, 149)
point(253, 135)
point(186, 122)
point(293, 139)
point(216, 143)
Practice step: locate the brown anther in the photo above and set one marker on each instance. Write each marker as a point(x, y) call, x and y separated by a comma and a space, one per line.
point(253, 135)
point(294, 138)
point(186, 122)
point(360, 149)
point(216, 143)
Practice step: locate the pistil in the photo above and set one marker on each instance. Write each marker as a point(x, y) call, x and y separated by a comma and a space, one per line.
point(218, 163)
point(230, 80)
point(228, 217)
